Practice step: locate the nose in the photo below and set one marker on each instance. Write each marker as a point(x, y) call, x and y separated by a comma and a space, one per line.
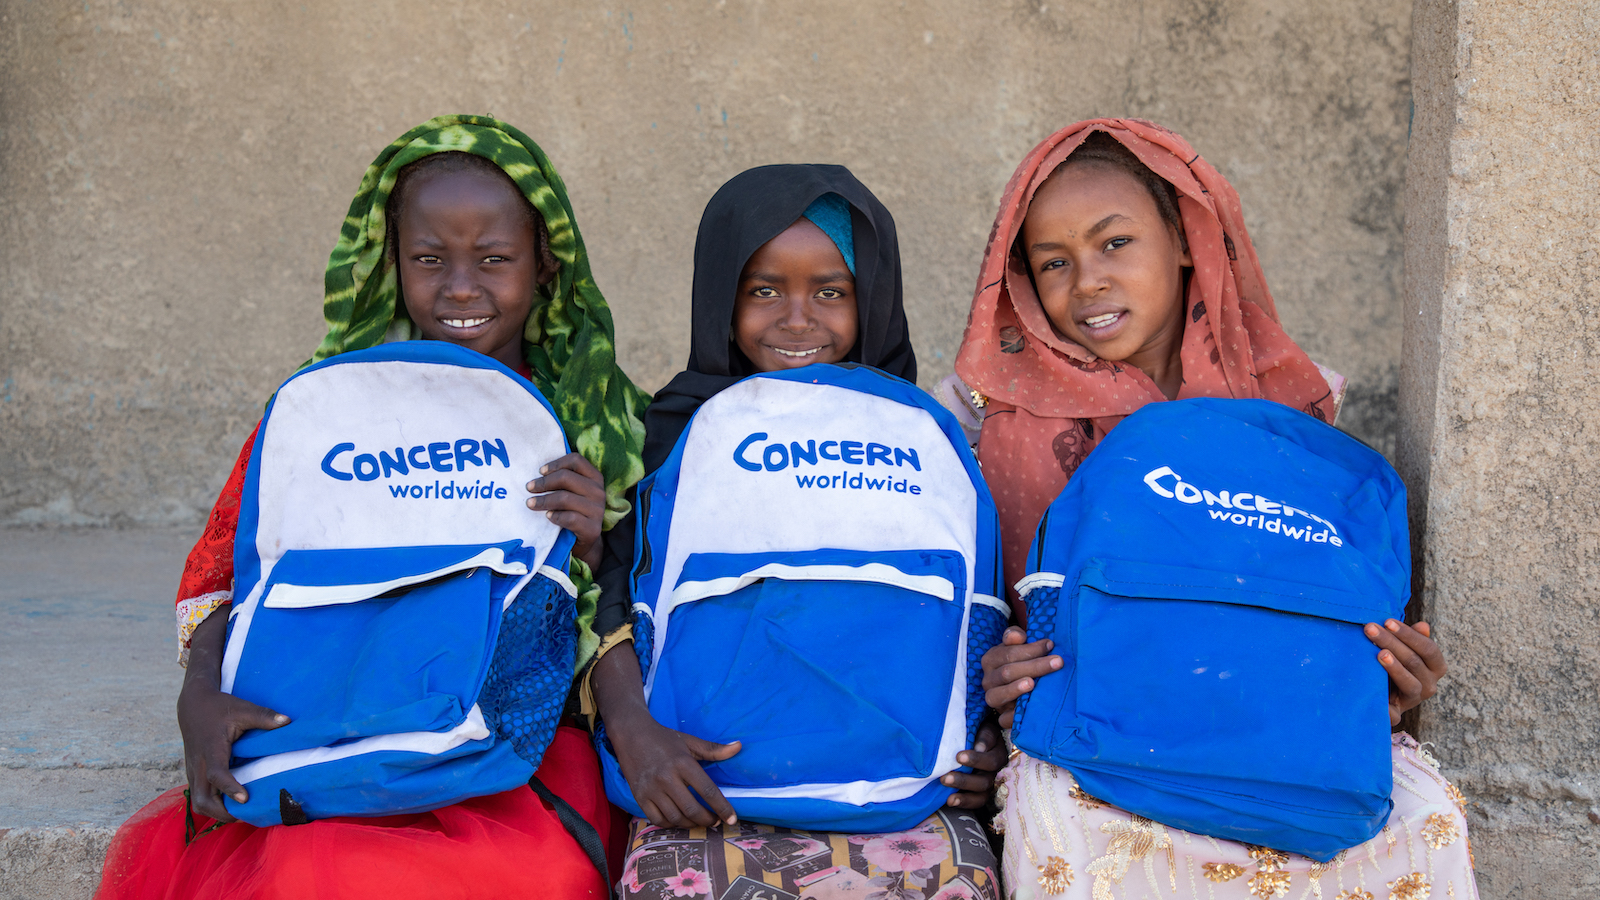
point(1089, 277)
point(460, 286)
point(797, 317)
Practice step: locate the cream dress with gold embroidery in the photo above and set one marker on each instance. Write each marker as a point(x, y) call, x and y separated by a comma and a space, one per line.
point(1063, 843)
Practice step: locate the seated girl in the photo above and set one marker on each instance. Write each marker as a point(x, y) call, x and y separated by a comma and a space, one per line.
point(1119, 273)
point(794, 265)
point(477, 248)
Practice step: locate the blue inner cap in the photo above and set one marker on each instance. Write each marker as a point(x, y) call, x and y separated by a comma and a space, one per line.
point(831, 213)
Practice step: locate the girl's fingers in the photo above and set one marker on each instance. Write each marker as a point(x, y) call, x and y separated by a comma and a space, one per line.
point(670, 814)
point(708, 751)
point(967, 800)
point(567, 480)
point(968, 782)
point(587, 528)
point(1406, 687)
point(1014, 635)
point(578, 463)
point(695, 813)
point(710, 795)
point(1417, 638)
point(1006, 694)
point(992, 761)
point(247, 716)
point(567, 500)
point(651, 812)
point(1032, 669)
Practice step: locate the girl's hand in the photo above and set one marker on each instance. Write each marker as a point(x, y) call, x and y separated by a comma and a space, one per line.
point(1011, 668)
point(662, 766)
point(987, 756)
point(211, 721)
point(573, 495)
point(1414, 663)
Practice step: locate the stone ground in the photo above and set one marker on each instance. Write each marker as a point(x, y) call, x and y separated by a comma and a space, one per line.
point(87, 686)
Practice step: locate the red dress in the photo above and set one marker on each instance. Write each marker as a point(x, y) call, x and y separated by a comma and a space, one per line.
point(505, 845)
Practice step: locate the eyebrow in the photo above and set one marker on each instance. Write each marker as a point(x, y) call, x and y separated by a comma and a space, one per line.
point(822, 278)
point(1105, 223)
point(1098, 227)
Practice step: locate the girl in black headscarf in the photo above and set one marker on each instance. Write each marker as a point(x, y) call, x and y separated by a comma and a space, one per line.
point(794, 265)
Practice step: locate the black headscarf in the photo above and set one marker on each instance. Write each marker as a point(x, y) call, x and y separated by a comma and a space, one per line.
point(754, 207)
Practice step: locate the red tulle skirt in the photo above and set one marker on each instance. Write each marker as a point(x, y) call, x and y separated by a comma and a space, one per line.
point(505, 845)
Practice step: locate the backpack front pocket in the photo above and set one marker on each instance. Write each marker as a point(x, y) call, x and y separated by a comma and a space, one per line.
point(1182, 673)
point(404, 659)
point(831, 666)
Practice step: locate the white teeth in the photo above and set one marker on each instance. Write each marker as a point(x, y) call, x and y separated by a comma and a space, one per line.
point(797, 354)
point(1101, 321)
point(464, 323)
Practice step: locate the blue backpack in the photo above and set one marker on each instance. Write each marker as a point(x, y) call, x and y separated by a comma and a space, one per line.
point(394, 595)
point(816, 576)
point(1205, 575)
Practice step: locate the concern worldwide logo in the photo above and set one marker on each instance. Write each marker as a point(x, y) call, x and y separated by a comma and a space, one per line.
point(1246, 509)
point(833, 464)
point(342, 462)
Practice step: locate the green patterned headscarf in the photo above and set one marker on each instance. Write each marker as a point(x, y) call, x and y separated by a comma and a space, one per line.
point(570, 336)
point(571, 347)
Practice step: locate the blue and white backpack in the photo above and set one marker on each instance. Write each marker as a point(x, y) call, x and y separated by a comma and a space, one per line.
point(1205, 575)
point(816, 576)
point(395, 597)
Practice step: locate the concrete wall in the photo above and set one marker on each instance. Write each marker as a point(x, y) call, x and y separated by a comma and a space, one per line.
point(172, 176)
point(1498, 409)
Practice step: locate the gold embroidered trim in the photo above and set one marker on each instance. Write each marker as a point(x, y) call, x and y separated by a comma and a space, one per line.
point(1135, 840)
point(1268, 885)
point(1441, 831)
point(1222, 872)
point(1354, 894)
point(191, 613)
point(1050, 874)
point(979, 401)
point(1089, 803)
point(1055, 876)
point(1410, 887)
point(1269, 860)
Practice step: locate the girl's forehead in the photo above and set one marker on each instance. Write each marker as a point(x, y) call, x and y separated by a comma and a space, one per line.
point(1086, 186)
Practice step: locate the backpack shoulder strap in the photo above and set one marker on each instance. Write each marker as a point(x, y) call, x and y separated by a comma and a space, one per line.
point(576, 825)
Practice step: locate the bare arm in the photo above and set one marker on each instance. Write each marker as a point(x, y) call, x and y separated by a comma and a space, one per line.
point(211, 721)
point(661, 765)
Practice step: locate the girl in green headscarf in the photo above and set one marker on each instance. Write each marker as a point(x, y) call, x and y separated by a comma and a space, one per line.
point(461, 231)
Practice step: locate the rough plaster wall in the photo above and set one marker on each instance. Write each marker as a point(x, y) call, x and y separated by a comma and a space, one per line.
point(1503, 233)
point(174, 174)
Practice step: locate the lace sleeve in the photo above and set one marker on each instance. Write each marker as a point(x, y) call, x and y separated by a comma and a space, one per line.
point(207, 581)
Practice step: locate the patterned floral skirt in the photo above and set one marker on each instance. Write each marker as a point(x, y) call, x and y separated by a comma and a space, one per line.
point(1063, 843)
point(947, 857)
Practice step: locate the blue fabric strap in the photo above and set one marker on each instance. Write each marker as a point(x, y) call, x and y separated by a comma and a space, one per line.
point(831, 213)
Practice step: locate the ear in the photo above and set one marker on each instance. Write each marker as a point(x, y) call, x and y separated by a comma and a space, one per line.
point(1185, 259)
point(546, 260)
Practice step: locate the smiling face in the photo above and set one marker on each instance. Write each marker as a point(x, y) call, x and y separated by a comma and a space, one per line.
point(469, 261)
point(1108, 268)
point(797, 302)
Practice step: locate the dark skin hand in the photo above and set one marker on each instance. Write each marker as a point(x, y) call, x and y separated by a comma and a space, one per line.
point(1414, 663)
point(573, 495)
point(211, 721)
point(1408, 653)
point(662, 765)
